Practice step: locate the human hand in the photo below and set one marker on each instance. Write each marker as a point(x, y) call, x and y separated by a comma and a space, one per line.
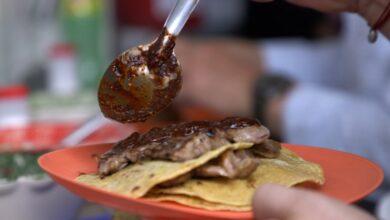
point(280, 203)
point(219, 73)
point(326, 5)
point(368, 9)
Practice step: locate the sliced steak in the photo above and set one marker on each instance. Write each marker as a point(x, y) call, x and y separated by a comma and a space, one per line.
point(238, 164)
point(231, 164)
point(268, 149)
point(180, 142)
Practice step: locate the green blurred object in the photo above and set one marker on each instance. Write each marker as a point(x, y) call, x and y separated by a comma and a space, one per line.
point(75, 108)
point(83, 24)
point(15, 165)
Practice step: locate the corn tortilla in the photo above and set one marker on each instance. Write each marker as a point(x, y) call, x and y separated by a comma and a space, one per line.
point(137, 179)
point(197, 202)
point(287, 170)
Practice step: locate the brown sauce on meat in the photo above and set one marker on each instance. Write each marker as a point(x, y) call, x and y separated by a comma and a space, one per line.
point(164, 134)
point(127, 96)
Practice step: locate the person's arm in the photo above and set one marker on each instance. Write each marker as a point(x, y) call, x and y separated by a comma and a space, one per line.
point(276, 202)
point(368, 9)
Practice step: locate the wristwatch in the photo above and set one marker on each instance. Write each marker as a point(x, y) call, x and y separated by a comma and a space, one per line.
point(267, 87)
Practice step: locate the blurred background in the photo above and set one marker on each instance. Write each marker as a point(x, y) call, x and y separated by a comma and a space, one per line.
point(82, 36)
point(58, 50)
point(53, 53)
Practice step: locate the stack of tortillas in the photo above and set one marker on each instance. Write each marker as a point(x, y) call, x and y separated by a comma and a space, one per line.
point(142, 180)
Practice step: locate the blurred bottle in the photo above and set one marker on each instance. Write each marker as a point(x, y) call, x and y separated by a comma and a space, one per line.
point(14, 109)
point(62, 75)
point(83, 24)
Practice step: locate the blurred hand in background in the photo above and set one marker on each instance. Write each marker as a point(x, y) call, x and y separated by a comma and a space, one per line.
point(368, 9)
point(219, 73)
point(328, 5)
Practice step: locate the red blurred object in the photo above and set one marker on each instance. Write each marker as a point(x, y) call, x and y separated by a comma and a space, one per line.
point(61, 50)
point(47, 136)
point(16, 91)
point(198, 113)
point(136, 12)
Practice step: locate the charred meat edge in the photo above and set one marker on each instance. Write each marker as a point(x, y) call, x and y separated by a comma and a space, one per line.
point(181, 142)
point(238, 164)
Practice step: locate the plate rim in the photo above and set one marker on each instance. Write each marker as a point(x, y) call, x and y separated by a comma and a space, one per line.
point(196, 211)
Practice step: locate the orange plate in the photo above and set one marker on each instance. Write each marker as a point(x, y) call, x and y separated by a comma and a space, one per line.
point(348, 177)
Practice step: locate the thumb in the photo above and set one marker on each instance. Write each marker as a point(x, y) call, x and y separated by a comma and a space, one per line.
point(274, 202)
point(277, 202)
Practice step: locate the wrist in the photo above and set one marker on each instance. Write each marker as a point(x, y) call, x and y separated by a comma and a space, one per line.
point(274, 113)
point(269, 97)
point(371, 10)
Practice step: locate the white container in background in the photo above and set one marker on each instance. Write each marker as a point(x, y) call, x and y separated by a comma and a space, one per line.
point(62, 75)
point(30, 199)
point(14, 109)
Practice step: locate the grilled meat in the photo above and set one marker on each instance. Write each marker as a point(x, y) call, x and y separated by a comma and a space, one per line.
point(268, 149)
point(231, 164)
point(181, 142)
point(238, 164)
